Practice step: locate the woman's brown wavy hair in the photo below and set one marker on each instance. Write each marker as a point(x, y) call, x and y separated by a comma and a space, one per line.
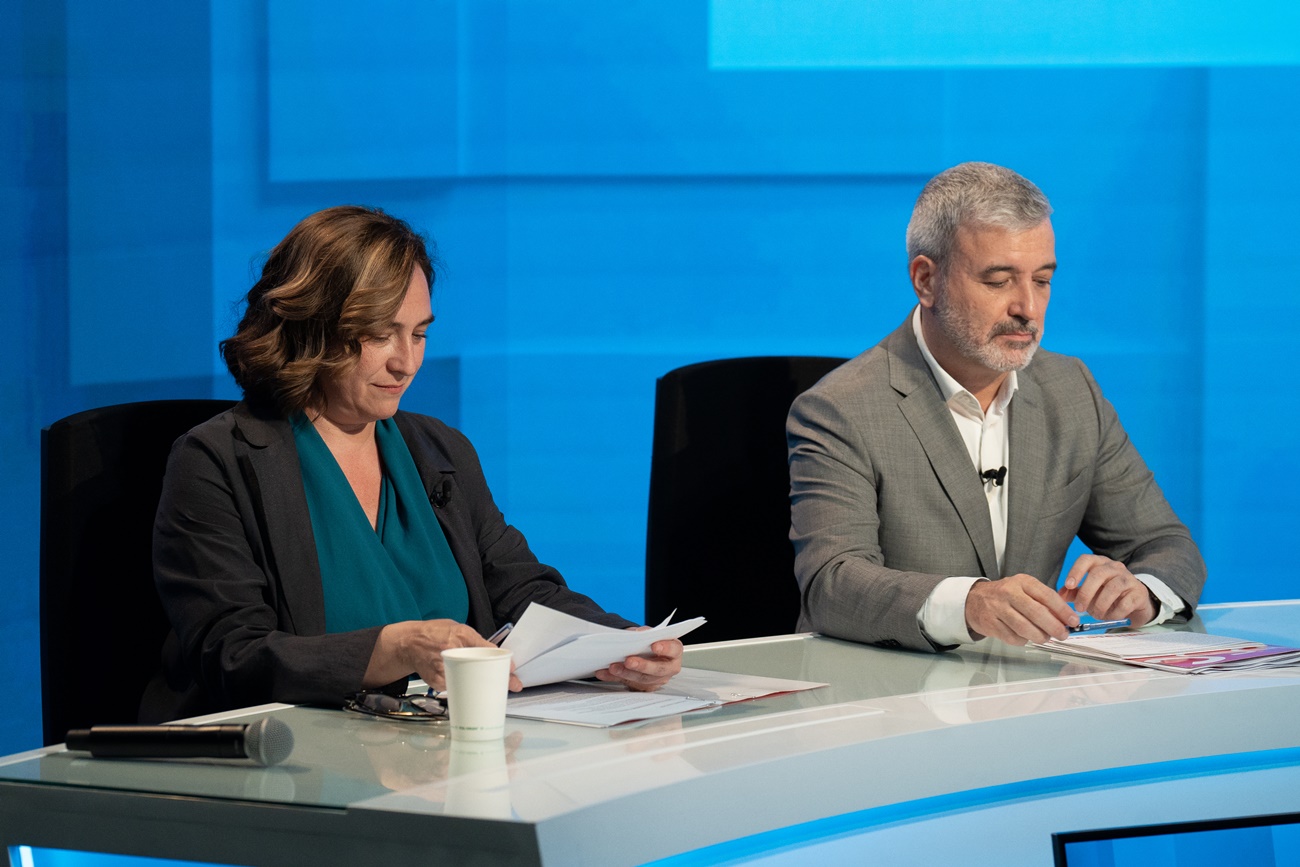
point(338, 277)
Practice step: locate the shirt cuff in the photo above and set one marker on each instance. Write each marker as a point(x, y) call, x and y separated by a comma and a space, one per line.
point(1170, 602)
point(943, 616)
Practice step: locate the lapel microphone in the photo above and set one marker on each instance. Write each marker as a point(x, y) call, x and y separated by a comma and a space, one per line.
point(997, 477)
point(441, 493)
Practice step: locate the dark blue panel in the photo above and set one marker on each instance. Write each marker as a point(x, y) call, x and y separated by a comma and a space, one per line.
point(362, 90)
point(1251, 455)
point(625, 89)
point(1252, 846)
point(1126, 179)
point(610, 206)
point(139, 190)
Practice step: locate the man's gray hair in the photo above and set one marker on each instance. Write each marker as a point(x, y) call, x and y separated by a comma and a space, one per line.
point(971, 194)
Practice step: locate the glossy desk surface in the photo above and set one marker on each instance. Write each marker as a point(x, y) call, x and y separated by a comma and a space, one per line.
point(892, 727)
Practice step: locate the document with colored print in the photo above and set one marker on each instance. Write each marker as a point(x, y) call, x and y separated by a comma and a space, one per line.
point(1185, 652)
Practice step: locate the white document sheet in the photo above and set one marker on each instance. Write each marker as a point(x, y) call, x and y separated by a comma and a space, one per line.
point(723, 687)
point(550, 646)
point(598, 704)
point(601, 704)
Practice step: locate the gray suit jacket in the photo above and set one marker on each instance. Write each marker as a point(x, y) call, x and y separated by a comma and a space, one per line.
point(885, 502)
point(235, 565)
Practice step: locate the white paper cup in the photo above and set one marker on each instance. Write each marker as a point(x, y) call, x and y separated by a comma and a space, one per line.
point(478, 682)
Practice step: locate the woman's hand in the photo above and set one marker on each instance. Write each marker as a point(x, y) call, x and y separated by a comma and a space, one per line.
point(646, 674)
point(417, 646)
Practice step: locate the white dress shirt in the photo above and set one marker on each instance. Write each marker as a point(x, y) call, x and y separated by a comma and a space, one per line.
point(987, 438)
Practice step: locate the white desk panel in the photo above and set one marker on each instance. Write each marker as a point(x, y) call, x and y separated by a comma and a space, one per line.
point(893, 729)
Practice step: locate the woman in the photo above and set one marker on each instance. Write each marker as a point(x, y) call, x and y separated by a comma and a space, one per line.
point(314, 540)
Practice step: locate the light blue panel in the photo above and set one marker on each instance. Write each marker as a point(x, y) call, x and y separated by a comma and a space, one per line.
point(611, 285)
point(139, 194)
point(708, 270)
point(624, 89)
point(1216, 848)
point(28, 856)
point(783, 34)
point(361, 90)
point(1251, 460)
point(1125, 177)
point(579, 464)
point(1286, 844)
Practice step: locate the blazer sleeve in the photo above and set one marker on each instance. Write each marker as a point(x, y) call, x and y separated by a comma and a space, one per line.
point(1128, 518)
point(845, 588)
point(236, 641)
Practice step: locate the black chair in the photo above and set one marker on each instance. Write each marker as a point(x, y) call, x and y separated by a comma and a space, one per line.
point(717, 538)
point(102, 626)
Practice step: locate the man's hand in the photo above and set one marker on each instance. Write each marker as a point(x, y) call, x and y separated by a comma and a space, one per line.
point(1110, 593)
point(1017, 609)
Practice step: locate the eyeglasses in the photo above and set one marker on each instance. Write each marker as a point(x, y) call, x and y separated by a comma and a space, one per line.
point(404, 708)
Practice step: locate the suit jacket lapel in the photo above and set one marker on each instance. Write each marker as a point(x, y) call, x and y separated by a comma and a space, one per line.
point(923, 407)
point(1026, 474)
point(274, 479)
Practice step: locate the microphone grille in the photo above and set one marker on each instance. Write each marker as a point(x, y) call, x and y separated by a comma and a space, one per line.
point(268, 741)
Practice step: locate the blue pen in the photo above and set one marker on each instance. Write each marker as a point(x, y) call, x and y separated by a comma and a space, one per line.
point(1099, 625)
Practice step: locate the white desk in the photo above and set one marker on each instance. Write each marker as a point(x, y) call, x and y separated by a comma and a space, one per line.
point(894, 735)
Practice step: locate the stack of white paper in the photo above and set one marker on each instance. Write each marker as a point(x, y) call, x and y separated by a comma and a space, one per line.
point(550, 646)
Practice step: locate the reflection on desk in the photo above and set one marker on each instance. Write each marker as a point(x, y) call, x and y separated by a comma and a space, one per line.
point(893, 728)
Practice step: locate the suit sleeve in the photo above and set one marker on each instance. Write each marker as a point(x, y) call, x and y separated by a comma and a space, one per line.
point(1128, 518)
point(846, 590)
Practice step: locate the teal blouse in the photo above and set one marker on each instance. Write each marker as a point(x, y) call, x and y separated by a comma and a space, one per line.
point(403, 568)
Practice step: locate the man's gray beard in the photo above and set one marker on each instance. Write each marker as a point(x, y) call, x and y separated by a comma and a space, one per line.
point(961, 333)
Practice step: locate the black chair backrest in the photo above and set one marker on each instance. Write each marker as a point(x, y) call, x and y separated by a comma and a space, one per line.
point(102, 626)
point(717, 538)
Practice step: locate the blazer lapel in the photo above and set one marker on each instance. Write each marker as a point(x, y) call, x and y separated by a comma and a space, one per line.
point(923, 407)
point(274, 479)
point(1027, 473)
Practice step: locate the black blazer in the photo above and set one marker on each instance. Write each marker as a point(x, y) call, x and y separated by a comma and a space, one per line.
point(235, 565)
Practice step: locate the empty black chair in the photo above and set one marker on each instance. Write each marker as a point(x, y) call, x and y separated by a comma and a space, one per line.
point(102, 626)
point(717, 538)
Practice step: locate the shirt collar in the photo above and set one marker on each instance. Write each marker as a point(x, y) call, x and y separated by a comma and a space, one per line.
point(951, 388)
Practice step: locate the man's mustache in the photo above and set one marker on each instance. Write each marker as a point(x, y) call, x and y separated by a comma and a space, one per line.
point(1013, 326)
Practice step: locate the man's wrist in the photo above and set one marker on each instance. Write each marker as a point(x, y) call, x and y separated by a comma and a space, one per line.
point(943, 616)
point(1165, 601)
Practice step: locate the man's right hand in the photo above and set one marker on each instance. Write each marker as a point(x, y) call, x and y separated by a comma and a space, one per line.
point(1017, 609)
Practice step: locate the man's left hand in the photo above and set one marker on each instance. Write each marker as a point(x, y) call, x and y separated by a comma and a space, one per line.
point(646, 674)
point(1110, 593)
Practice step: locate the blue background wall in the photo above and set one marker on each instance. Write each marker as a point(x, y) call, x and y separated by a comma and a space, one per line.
point(621, 188)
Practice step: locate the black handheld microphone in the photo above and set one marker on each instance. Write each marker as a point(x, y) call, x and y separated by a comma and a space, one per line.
point(266, 742)
point(997, 477)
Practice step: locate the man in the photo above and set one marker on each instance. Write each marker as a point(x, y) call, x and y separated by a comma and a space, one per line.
point(955, 452)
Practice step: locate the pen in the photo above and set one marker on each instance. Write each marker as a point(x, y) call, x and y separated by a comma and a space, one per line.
point(500, 635)
point(496, 638)
point(1100, 624)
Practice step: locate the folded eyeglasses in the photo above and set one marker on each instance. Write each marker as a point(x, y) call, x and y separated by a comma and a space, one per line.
point(403, 708)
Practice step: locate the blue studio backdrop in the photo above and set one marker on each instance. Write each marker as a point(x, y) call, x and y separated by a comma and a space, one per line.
point(617, 189)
